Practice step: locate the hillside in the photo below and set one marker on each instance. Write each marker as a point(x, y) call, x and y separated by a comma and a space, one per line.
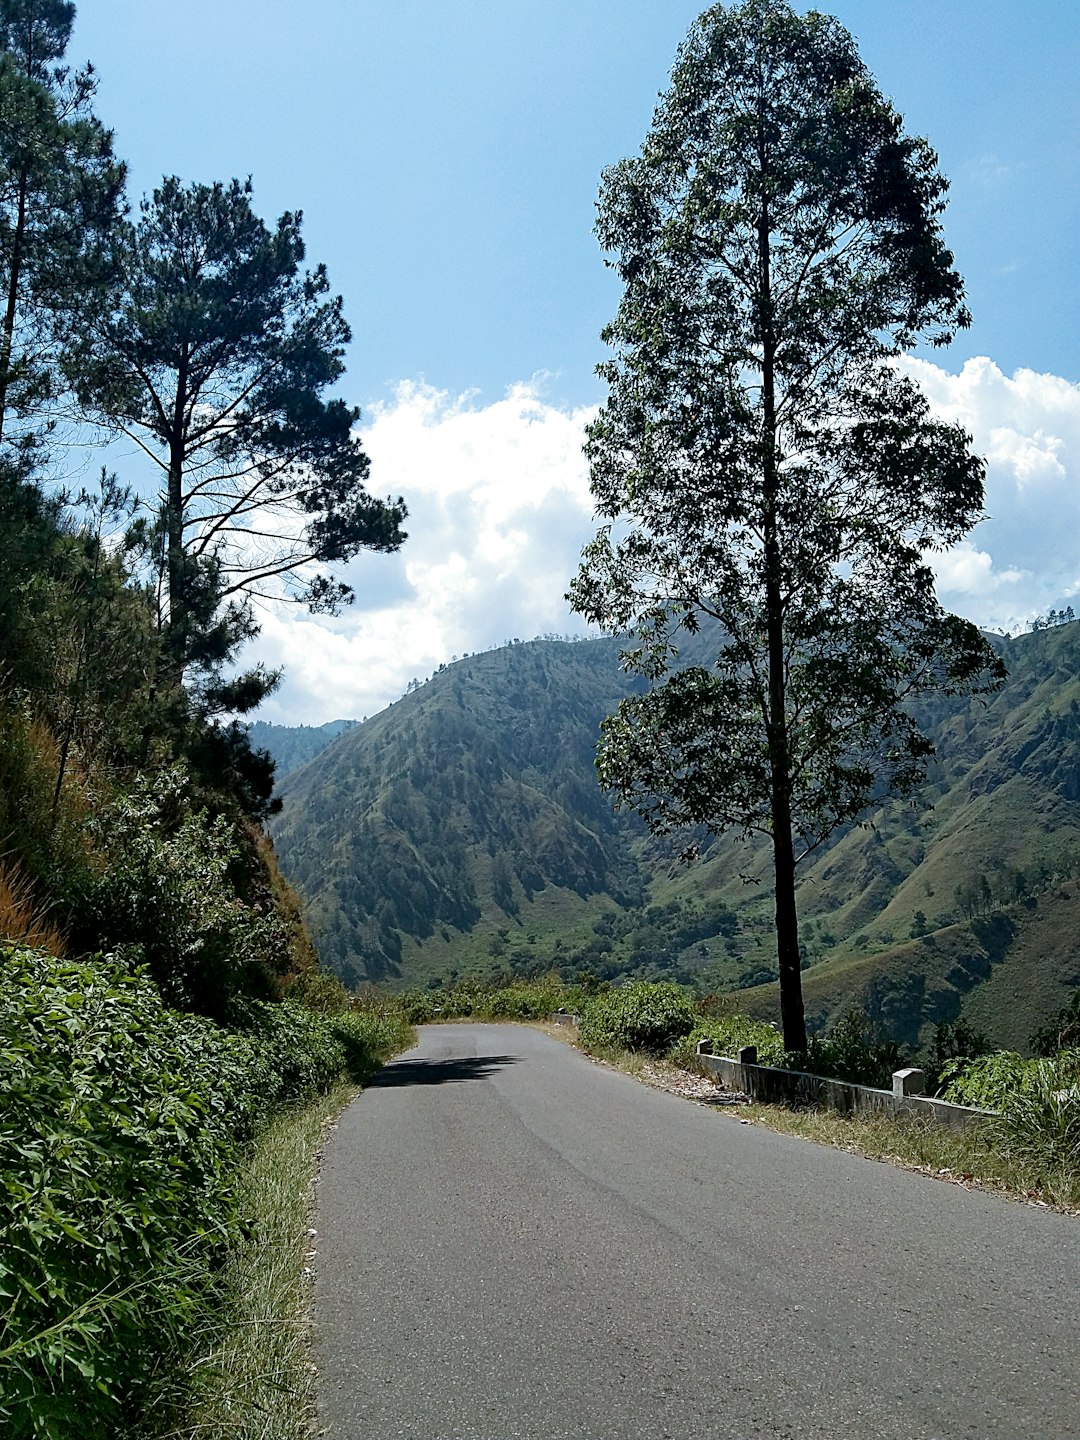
point(462, 832)
point(291, 746)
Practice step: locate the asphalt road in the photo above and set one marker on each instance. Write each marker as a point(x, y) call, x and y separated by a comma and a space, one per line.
point(517, 1244)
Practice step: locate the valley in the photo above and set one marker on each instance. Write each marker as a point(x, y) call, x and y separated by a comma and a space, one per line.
point(461, 834)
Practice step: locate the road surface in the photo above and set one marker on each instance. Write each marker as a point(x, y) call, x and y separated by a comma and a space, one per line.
point(518, 1244)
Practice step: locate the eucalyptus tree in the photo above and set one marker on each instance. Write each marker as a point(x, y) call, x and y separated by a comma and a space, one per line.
point(61, 195)
point(766, 473)
point(216, 359)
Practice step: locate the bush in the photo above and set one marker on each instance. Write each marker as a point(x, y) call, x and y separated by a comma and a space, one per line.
point(1037, 1103)
point(990, 1082)
point(524, 1000)
point(638, 1016)
point(533, 1001)
point(728, 1034)
point(855, 1049)
point(368, 1036)
point(1039, 1127)
point(117, 1149)
point(167, 894)
point(121, 1137)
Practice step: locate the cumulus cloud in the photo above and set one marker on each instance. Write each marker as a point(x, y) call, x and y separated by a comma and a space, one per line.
point(1024, 559)
point(499, 508)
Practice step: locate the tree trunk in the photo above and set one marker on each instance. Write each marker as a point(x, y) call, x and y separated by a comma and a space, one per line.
point(792, 1015)
point(7, 341)
point(176, 587)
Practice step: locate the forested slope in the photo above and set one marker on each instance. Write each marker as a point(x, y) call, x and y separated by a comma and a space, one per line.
point(462, 831)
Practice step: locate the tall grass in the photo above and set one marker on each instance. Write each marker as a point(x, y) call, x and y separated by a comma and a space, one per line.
point(22, 920)
point(250, 1370)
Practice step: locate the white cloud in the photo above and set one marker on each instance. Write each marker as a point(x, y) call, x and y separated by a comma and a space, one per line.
point(1025, 558)
point(499, 508)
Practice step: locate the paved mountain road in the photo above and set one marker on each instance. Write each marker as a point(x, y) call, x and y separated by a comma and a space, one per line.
point(516, 1244)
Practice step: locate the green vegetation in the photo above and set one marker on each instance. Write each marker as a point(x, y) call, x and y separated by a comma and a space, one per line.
point(637, 1016)
point(479, 787)
point(160, 1003)
point(121, 1148)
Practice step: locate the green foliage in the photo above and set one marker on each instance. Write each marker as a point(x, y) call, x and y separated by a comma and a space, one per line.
point(118, 1139)
point(168, 895)
point(987, 1081)
point(520, 1001)
point(953, 1040)
point(1039, 1126)
point(218, 351)
point(1037, 1105)
point(729, 1033)
point(61, 192)
point(637, 1016)
point(854, 1049)
point(121, 1136)
point(770, 477)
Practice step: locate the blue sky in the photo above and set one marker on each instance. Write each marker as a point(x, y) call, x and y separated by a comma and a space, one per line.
point(446, 158)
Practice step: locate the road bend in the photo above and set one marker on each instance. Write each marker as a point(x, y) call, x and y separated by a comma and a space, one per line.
point(518, 1244)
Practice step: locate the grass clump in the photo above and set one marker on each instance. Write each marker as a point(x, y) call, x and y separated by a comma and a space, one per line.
point(1037, 1126)
point(249, 1366)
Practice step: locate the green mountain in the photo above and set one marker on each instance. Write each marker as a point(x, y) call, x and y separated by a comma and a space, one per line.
point(462, 832)
point(291, 746)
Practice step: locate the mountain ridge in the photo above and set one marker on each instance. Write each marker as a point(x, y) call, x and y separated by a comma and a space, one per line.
point(462, 831)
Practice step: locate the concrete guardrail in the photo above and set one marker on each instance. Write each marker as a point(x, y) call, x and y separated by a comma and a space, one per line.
point(770, 1085)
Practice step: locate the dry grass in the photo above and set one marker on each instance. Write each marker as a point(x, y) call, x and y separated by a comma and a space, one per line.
point(22, 921)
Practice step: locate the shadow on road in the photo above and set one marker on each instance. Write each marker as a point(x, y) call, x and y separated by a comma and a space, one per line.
point(441, 1072)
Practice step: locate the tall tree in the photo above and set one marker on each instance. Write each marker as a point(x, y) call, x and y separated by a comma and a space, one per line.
point(216, 359)
point(60, 200)
point(768, 475)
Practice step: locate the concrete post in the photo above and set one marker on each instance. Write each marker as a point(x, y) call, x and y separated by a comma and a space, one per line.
point(747, 1055)
point(704, 1047)
point(908, 1082)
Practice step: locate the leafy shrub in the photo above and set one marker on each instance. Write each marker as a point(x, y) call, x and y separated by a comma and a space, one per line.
point(1039, 1126)
point(421, 1006)
point(368, 1036)
point(855, 1049)
point(953, 1040)
point(167, 895)
point(524, 1000)
point(638, 1016)
point(990, 1082)
point(728, 1034)
point(1037, 1103)
point(117, 1147)
point(121, 1135)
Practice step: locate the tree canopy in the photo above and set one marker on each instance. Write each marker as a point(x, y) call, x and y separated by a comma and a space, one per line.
point(766, 473)
point(60, 200)
point(216, 358)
